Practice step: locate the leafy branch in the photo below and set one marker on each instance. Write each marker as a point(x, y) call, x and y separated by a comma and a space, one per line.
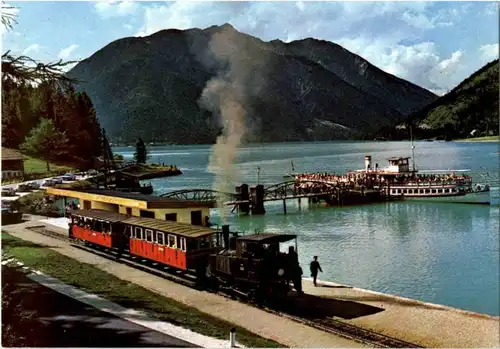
point(8, 15)
point(23, 69)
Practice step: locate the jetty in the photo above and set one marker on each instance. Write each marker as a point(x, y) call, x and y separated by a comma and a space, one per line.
point(250, 199)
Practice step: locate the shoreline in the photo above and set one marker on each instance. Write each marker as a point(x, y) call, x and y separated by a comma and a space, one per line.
point(412, 301)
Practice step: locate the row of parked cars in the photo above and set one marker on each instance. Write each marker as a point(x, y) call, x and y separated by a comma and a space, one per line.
point(35, 185)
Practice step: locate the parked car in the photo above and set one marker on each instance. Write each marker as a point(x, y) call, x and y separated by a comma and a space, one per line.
point(57, 180)
point(33, 185)
point(48, 183)
point(69, 177)
point(8, 191)
point(24, 188)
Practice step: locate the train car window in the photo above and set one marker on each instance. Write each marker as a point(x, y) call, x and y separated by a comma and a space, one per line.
point(172, 241)
point(182, 244)
point(106, 227)
point(213, 242)
point(161, 238)
point(204, 242)
point(138, 233)
point(192, 244)
point(149, 235)
point(131, 232)
point(243, 247)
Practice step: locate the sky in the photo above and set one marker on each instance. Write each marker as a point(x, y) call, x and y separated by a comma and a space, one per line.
point(432, 44)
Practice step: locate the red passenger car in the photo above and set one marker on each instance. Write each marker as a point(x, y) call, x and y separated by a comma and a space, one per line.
point(98, 227)
point(179, 245)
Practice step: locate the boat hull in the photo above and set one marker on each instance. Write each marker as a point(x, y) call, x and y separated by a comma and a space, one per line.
point(479, 198)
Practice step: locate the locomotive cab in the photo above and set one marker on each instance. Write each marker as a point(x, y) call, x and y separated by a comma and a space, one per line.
point(256, 265)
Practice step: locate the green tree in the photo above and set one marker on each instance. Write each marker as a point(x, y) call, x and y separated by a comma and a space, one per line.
point(141, 152)
point(46, 142)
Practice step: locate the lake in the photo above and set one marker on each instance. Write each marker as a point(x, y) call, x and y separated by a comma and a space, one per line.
point(440, 253)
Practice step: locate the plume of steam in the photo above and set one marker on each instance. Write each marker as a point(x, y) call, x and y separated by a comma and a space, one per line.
point(224, 95)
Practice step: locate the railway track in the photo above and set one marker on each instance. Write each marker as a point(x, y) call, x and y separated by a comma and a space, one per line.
point(337, 327)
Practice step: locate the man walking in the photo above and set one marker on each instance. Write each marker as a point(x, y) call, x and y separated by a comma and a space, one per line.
point(314, 269)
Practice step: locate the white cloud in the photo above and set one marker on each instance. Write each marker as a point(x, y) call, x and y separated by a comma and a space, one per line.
point(491, 9)
point(488, 52)
point(419, 63)
point(65, 53)
point(33, 48)
point(388, 34)
point(112, 8)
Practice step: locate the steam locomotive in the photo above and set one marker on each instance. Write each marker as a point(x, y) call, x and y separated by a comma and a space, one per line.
point(249, 264)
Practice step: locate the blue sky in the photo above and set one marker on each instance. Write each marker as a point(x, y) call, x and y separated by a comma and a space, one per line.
point(433, 44)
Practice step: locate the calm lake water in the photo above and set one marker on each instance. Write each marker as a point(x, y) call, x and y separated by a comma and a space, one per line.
point(440, 253)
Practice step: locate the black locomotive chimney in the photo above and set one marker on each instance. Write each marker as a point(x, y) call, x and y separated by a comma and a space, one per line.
point(225, 235)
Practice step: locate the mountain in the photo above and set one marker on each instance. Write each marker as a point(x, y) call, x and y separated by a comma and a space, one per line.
point(150, 87)
point(470, 109)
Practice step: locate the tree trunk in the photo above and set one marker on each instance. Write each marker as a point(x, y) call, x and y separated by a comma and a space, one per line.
point(48, 167)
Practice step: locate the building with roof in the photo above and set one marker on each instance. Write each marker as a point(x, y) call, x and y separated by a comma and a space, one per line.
point(12, 163)
point(139, 205)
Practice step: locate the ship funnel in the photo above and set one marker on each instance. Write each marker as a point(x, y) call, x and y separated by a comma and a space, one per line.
point(368, 163)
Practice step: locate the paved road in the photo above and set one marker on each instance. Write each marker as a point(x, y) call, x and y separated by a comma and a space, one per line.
point(51, 319)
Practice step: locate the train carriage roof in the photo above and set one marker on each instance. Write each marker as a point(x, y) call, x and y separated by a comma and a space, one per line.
point(102, 215)
point(267, 238)
point(182, 229)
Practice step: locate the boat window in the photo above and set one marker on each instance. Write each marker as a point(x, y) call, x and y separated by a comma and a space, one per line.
point(404, 191)
point(399, 191)
point(427, 191)
point(149, 235)
point(172, 243)
point(160, 238)
point(410, 191)
point(393, 191)
point(454, 190)
point(138, 233)
point(440, 190)
point(433, 191)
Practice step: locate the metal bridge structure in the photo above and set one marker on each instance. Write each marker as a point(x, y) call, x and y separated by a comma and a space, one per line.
point(200, 195)
point(275, 192)
point(293, 190)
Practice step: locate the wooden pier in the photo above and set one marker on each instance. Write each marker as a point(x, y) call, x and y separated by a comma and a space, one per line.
point(250, 200)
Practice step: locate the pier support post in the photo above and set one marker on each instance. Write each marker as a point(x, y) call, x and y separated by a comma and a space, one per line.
point(299, 205)
point(284, 206)
point(257, 199)
point(243, 195)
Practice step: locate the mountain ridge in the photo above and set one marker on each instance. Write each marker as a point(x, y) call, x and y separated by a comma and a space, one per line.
point(129, 77)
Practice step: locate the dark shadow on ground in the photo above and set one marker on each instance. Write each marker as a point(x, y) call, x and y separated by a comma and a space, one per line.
point(36, 316)
point(314, 307)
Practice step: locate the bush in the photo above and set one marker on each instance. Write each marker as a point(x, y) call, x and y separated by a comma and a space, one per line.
point(36, 203)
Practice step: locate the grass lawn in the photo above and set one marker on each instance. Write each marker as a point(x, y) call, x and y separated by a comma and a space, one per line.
point(479, 139)
point(32, 165)
point(125, 293)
